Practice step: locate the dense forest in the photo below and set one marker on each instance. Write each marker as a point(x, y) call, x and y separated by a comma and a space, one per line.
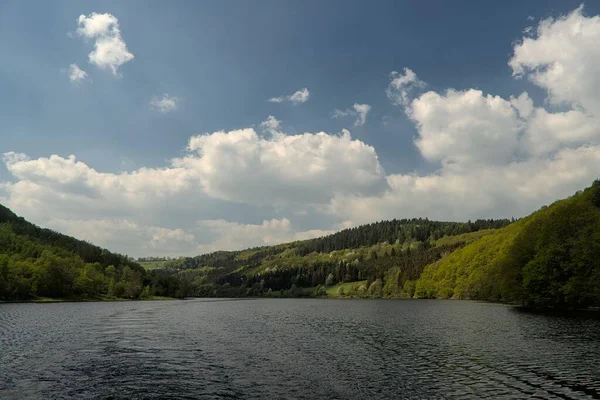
point(551, 258)
point(548, 259)
point(41, 263)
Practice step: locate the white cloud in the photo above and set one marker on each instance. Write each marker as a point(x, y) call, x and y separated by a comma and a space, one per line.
point(301, 96)
point(514, 189)
point(69, 189)
point(563, 57)
point(271, 124)
point(360, 111)
point(523, 104)
point(241, 166)
point(341, 114)
point(238, 166)
point(110, 50)
point(236, 236)
point(290, 173)
point(500, 157)
point(495, 157)
point(76, 74)
point(128, 237)
point(298, 97)
point(402, 86)
point(465, 127)
point(123, 235)
point(165, 103)
point(547, 132)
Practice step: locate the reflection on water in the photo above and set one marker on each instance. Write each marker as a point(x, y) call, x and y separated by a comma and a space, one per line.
point(288, 348)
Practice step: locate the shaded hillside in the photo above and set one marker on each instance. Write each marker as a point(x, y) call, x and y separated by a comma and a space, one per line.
point(551, 258)
point(37, 262)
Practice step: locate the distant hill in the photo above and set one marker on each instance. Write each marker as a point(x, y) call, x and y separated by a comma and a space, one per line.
point(37, 262)
point(368, 252)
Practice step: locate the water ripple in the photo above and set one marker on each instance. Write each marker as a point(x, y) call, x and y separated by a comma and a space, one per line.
point(294, 349)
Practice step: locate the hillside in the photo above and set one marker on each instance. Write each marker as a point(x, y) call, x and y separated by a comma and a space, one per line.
point(551, 258)
point(373, 252)
point(548, 259)
point(37, 262)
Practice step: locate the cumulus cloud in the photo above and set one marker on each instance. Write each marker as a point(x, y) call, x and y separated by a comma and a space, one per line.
point(286, 172)
point(241, 166)
point(500, 157)
point(548, 132)
point(465, 127)
point(360, 111)
point(402, 86)
point(271, 124)
point(238, 166)
point(165, 103)
point(562, 57)
point(298, 97)
point(76, 74)
point(497, 191)
point(494, 157)
point(110, 50)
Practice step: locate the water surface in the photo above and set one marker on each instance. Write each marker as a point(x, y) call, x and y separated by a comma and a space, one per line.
point(294, 348)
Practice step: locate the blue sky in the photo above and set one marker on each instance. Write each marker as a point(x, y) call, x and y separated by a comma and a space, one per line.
point(222, 60)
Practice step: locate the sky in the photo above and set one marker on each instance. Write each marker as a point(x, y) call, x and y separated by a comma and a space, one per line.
point(179, 128)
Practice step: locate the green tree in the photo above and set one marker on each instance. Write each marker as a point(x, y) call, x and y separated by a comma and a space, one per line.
point(330, 280)
point(320, 291)
point(376, 288)
point(111, 288)
point(145, 293)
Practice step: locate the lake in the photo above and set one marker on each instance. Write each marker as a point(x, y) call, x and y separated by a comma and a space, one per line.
point(294, 349)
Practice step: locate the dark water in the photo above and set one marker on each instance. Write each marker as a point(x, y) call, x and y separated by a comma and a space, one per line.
point(276, 349)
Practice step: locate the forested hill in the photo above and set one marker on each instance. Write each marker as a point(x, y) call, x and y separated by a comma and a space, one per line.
point(86, 251)
point(548, 259)
point(37, 262)
point(551, 258)
point(395, 231)
point(365, 253)
point(392, 232)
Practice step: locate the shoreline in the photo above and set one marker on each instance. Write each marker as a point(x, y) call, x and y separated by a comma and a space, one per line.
point(46, 300)
point(593, 311)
